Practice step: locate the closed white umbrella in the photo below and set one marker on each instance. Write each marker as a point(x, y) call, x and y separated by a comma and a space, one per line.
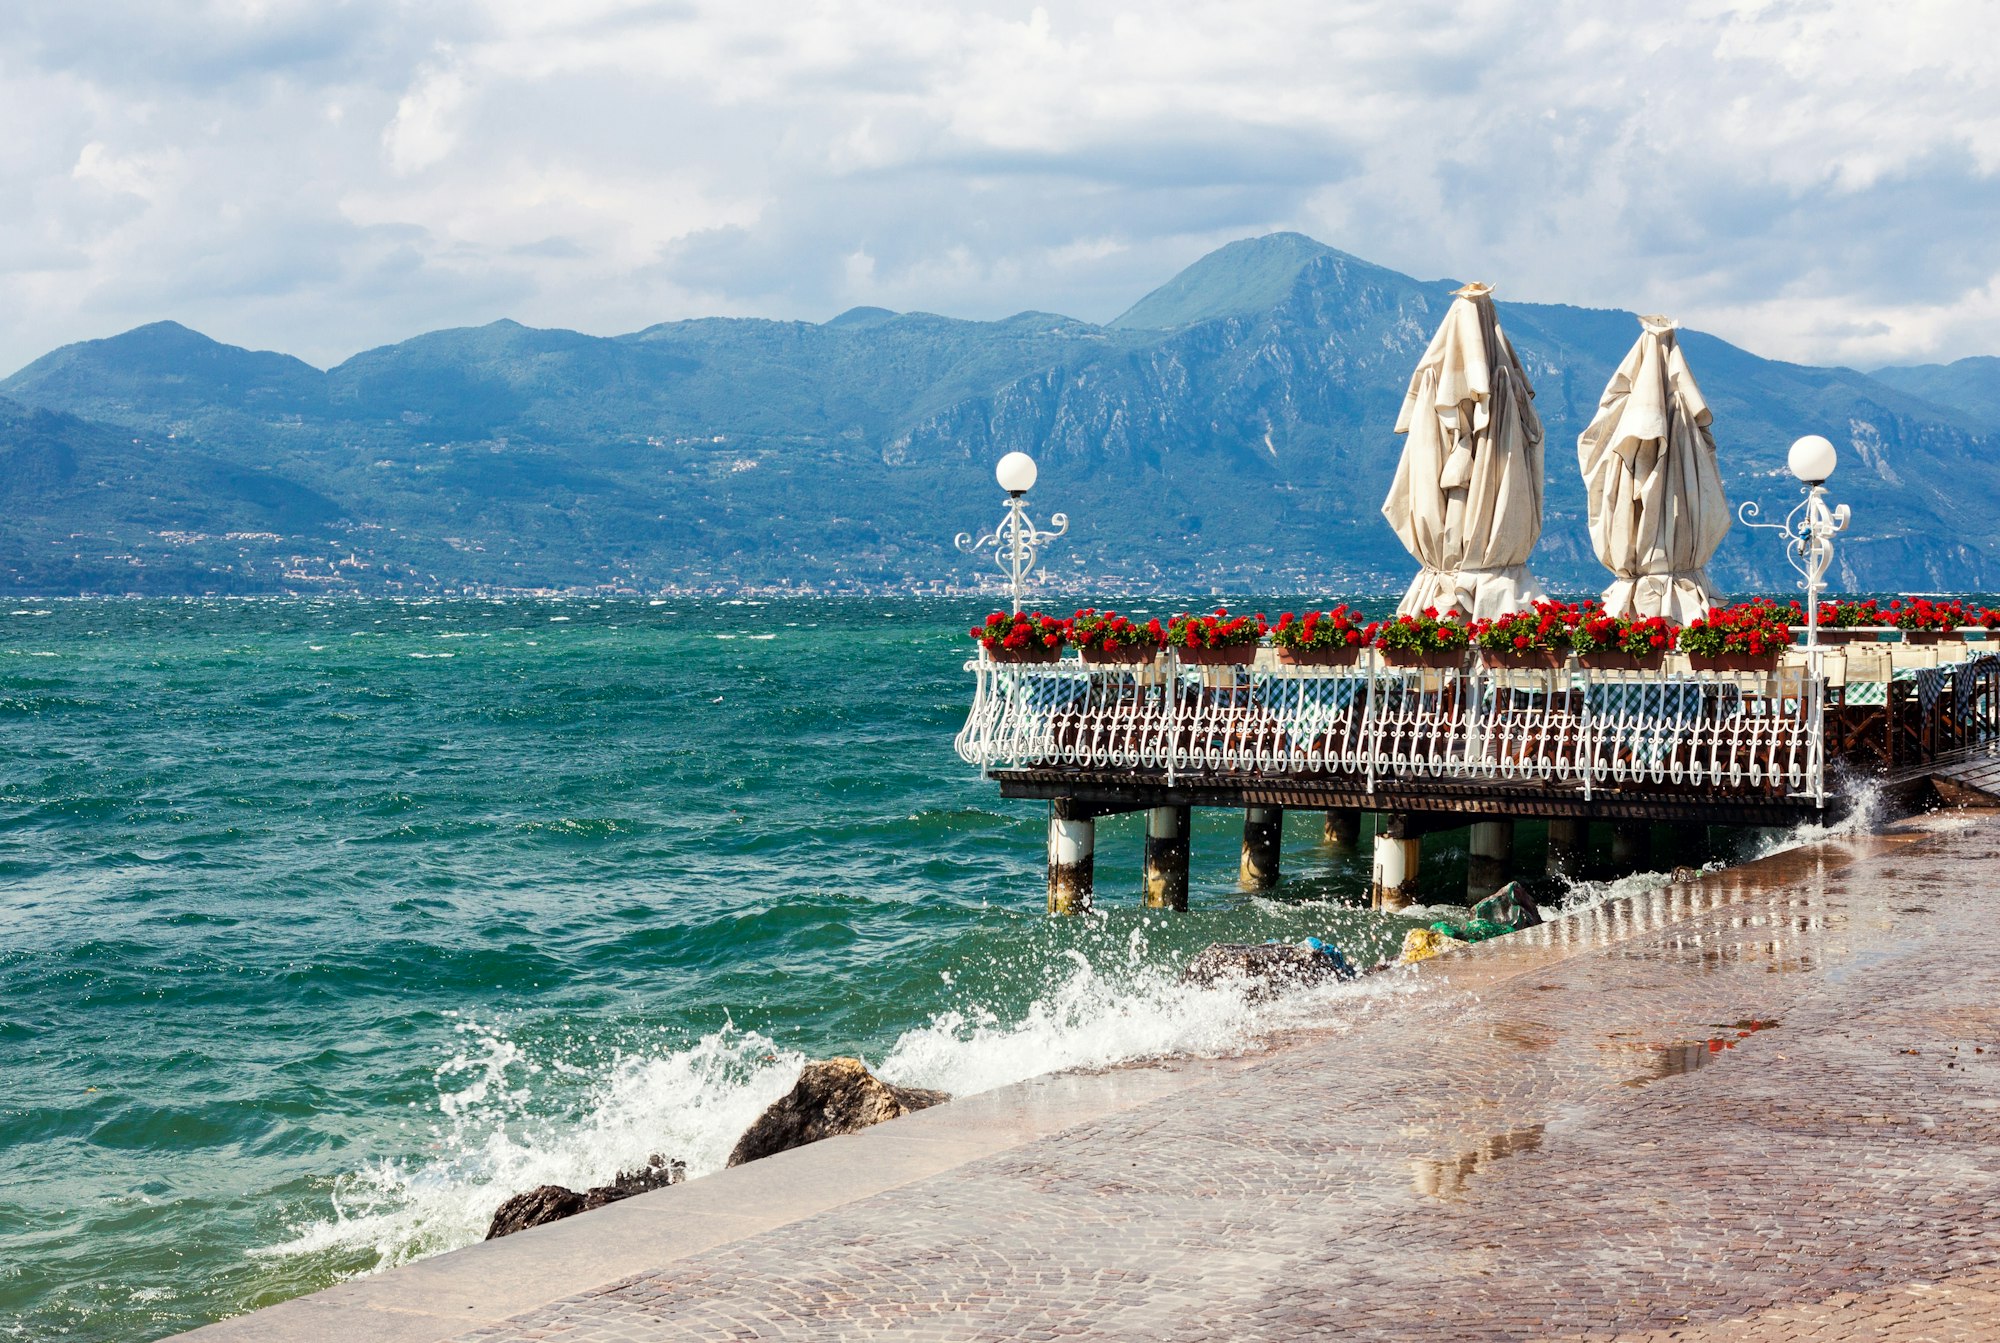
point(1467, 499)
point(1657, 510)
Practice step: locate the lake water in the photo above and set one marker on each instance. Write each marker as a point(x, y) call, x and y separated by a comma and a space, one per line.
point(327, 925)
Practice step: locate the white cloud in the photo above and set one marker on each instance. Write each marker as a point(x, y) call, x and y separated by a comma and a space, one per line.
point(1816, 179)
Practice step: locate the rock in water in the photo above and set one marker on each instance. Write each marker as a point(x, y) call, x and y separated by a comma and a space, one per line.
point(552, 1202)
point(1268, 970)
point(657, 1173)
point(830, 1098)
point(538, 1207)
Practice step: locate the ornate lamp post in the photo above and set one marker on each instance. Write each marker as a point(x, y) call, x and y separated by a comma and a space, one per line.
point(1014, 539)
point(1809, 529)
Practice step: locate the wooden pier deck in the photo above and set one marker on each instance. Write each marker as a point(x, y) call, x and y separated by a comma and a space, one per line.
point(1435, 749)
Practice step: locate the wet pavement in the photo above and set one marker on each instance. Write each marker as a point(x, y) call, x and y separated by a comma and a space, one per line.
point(1764, 1106)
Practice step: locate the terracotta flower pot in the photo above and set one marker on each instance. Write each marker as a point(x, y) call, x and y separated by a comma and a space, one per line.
point(1854, 634)
point(1925, 636)
point(1535, 659)
point(1436, 659)
point(1032, 653)
point(1235, 655)
point(1119, 657)
point(1735, 662)
point(1341, 655)
point(1617, 659)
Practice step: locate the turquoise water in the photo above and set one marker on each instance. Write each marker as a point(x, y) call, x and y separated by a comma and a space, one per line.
point(325, 926)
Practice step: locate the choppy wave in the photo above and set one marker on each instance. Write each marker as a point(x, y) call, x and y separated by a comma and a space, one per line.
point(693, 1103)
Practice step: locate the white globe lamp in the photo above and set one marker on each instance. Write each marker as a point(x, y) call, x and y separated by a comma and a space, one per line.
point(1016, 473)
point(1812, 459)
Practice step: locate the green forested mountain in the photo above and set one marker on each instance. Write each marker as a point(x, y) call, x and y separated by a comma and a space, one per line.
point(1232, 429)
point(1969, 385)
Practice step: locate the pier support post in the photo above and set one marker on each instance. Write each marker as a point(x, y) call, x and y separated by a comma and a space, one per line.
point(1263, 834)
point(1631, 846)
point(1569, 844)
point(1167, 858)
point(1072, 844)
point(1394, 883)
point(1492, 851)
point(1343, 829)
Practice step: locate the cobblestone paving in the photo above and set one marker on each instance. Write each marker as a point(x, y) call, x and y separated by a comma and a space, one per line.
point(1717, 1113)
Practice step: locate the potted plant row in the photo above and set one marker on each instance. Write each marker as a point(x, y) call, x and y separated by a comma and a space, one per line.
point(1749, 637)
point(1219, 640)
point(1022, 637)
point(1920, 620)
point(1105, 638)
point(1622, 643)
point(1424, 640)
point(1539, 638)
point(1321, 638)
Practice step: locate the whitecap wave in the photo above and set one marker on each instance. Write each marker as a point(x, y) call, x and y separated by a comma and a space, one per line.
point(492, 1136)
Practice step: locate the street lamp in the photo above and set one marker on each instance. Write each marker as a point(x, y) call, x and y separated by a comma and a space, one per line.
point(1809, 528)
point(1014, 539)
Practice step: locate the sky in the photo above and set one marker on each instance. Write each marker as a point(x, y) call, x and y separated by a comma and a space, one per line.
point(1817, 180)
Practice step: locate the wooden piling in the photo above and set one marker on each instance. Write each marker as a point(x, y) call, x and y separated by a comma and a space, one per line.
point(1072, 844)
point(1263, 836)
point(1491, 853)
point(1569, 847)
point(1393, 883)
point(1631, 846)
point(1167, 858)
point(1343, 829)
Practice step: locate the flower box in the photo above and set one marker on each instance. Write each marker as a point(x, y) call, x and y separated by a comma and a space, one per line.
point(1617, 659)
point(1345, 656)
point(1026, 636)
point(1105, 638)
point(1029, 654)
point(1856, 635)
point(1926, 636)
point(1736, 662)
point(1523, 659)
point(1119, 657)
point(1435, 659)
point(1229, 655)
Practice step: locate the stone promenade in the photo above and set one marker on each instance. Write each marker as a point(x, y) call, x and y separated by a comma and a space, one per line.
point(1765, 1105)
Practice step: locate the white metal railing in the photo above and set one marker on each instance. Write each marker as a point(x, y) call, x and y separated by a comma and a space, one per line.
point(1750, 732)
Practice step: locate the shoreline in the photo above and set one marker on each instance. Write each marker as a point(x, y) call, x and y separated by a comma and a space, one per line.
point(487, 1283)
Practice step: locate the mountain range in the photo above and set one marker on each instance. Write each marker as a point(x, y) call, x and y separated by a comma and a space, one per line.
point(1231, 431)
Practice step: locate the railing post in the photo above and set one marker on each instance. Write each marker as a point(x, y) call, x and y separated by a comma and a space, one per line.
point(1369, 658)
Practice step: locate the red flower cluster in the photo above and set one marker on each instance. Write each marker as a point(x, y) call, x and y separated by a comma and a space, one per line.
point(1545, 629)
point(1013, 633)
point(1109, 632)
point(1917, 613)
point(1220, 630)
point(1640, 636)
point(1426, 633)
point(1756, 628)
point(1337, 628)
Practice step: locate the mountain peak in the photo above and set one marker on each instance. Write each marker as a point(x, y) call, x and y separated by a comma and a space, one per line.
point(1250, 275)
point(862, 316)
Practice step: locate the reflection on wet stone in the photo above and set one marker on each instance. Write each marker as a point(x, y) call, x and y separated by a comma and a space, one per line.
point(1447, 1179)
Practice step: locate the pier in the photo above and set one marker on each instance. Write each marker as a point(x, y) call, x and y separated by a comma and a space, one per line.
point(1426, 750)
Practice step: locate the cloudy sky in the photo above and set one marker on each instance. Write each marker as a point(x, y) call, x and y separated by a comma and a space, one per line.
point(1816, 179)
